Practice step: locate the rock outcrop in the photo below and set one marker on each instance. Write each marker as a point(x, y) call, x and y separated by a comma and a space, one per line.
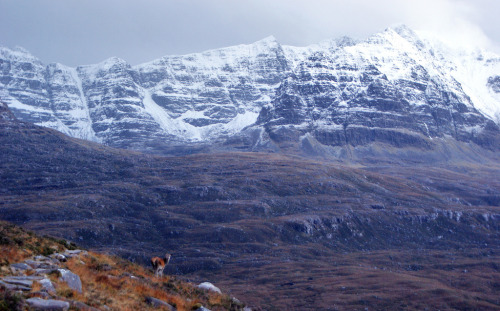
point(39, 304)
point(37, 270)
point(25, 274)
point(157, 303)
point(358, 95)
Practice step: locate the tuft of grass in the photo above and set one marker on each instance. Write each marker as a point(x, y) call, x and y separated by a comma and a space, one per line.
point(47, 251)
point(36, 287)
point(54, 275)
point(65, 292)
point(11, 301)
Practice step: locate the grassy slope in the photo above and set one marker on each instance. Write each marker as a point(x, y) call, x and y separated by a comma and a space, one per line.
point(106, 280)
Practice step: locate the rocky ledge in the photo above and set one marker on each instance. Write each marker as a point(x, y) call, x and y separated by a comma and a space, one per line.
point(41, 276)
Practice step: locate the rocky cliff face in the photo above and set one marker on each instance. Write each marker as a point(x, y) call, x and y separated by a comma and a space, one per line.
point(388, 89)
point(176, 99)
point(393, 88)
point(494, 84)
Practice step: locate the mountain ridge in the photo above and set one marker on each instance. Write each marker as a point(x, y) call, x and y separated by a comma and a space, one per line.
point(205, 100)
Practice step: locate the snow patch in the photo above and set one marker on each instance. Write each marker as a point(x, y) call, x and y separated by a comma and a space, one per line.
point(170, 125)
point(178, 127)
point(86, 130)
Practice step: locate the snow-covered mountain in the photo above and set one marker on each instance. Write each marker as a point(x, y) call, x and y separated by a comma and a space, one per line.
point(394, 87)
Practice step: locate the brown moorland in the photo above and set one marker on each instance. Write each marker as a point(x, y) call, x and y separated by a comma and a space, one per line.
point(277, 231)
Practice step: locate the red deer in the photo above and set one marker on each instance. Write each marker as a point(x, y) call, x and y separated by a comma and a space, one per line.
point(159, 264)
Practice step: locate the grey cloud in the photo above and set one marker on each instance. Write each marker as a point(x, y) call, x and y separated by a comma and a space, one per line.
point(81, 32)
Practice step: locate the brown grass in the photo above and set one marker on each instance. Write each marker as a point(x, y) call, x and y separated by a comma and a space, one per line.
point(106, 280)
point(12, 254)
point(36, 287)
point(17, 244)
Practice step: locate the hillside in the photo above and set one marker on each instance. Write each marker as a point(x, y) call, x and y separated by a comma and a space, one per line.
point(278, 231)
point(34, 267)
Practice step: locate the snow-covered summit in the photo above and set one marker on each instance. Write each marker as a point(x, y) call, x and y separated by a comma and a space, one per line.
point(473, 68)
point(17, 53)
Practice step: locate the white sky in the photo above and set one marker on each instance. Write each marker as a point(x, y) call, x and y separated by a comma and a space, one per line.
point(76, 32)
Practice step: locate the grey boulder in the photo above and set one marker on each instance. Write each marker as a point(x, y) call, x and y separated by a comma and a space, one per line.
point(157, 303)
point(47, 305)
point(21, 266)
point(71, 279)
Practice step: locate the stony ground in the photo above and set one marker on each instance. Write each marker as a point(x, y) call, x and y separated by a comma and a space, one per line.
point(74, 279)
point(40, 275)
